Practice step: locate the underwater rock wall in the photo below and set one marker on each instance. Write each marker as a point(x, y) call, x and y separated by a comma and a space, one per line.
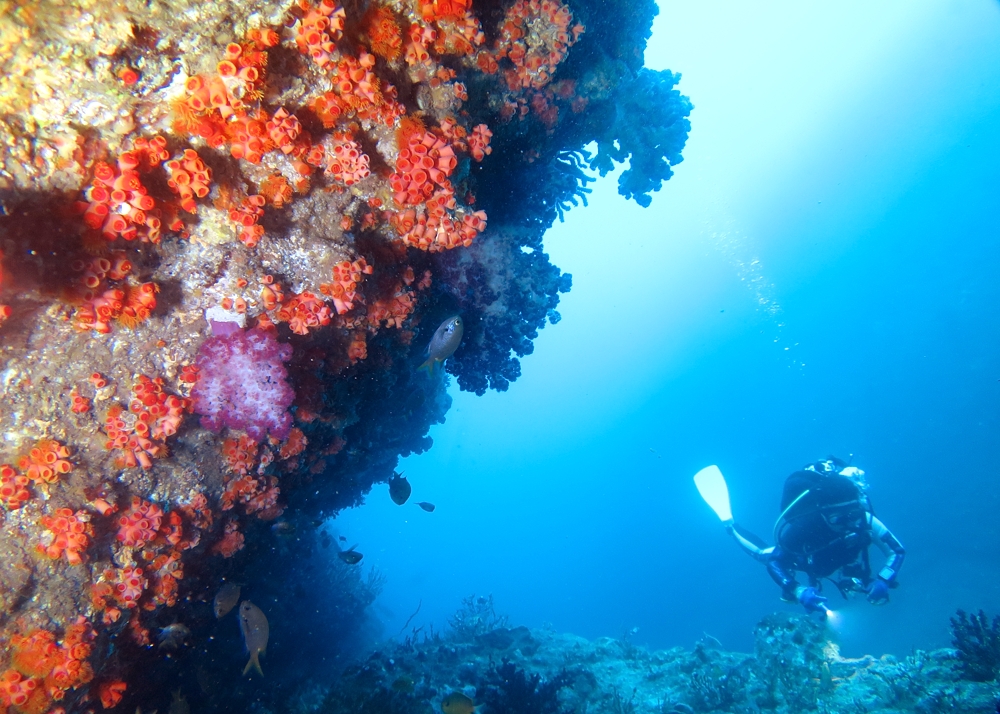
point(228, 231)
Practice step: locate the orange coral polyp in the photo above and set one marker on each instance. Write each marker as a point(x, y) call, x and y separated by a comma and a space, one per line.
point(15, 689)
point(46, 461)
point(249, 74)
point(68, 535)
point(111, 693)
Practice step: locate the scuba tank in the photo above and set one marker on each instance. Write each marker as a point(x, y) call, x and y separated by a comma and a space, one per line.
point(823, 506)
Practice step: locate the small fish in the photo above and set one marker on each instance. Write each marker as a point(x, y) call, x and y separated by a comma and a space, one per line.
point(443, 344)
point(350, 556)
point(399, 488)
point(179, 705)
point(429, 507)
point(404, 684)
point(458, 703)
point(282, 528)
point(253, 624)
point(173, 636)
point(226, 599)
point(343, 539)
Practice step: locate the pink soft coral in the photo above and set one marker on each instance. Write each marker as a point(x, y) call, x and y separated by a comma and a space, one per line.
point(241, 384)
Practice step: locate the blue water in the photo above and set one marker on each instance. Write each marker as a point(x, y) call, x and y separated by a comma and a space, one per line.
point(820, 276)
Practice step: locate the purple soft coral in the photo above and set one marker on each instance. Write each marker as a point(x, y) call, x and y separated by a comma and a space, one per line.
point(241, 384)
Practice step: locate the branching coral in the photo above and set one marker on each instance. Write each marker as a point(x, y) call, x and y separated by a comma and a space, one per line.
point(569, 179)
point(650, 128)
point(978, 645)
point(477, 616)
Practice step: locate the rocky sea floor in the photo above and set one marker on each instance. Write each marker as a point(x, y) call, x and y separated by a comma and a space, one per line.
point(795, 668)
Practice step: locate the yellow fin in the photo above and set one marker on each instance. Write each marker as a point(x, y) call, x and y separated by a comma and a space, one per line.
point(429, 365)
point(255, 663)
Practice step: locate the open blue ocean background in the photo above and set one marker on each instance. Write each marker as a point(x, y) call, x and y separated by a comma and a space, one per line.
point(819, 277)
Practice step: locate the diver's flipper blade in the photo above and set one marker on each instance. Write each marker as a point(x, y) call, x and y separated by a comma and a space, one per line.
point(712, 487)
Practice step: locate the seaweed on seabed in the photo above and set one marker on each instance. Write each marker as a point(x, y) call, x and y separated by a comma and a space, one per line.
point(509, 690)
point(476, 617)
point(978, 645)
point(365, 689)
point(718, 687)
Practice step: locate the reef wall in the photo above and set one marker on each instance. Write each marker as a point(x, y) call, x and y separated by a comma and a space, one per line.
point(228, 232)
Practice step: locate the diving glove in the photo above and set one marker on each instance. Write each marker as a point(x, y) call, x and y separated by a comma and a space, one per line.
point(811, 600)
point(878, 592)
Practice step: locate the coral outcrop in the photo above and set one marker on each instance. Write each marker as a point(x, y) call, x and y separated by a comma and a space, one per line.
point(228, 231)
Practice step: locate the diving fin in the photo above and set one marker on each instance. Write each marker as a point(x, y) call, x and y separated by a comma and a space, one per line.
point(712, 487)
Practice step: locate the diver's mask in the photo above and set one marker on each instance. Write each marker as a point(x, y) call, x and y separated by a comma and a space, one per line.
point(844, 517)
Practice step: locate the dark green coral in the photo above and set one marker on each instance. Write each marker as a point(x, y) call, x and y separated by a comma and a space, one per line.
point(978, 644)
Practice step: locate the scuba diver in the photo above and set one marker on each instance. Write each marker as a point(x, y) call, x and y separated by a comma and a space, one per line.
point(824, 531)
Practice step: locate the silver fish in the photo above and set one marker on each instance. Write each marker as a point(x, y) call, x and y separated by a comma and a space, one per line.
point(283, 528)
point(253, 624)
point(173, 636)
point(350, 556)
point(226, 599)
point(443, 344)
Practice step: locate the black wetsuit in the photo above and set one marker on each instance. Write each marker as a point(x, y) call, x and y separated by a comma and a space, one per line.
point(827, 526)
